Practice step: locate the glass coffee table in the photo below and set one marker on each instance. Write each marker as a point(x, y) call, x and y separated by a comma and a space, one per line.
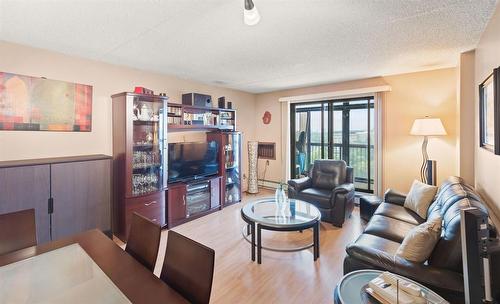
point(267, 214)
point(351, 289)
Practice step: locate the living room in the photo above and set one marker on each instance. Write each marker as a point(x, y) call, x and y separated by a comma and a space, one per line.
point(253, 111)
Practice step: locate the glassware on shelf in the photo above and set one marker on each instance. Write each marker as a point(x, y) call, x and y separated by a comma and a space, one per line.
point(144, 183)
point(145, 159)
point(147, 149)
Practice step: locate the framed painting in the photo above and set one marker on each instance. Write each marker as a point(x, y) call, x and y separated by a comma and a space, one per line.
point(38, 104)
point(489, 116)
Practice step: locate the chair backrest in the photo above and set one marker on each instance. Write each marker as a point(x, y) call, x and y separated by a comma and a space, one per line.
point(188, 268)
point(17, 230)
point(453, 195)
point(143, 240)
point(328, 173)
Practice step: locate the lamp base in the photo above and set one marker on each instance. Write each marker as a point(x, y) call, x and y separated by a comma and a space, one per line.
point(431, 172)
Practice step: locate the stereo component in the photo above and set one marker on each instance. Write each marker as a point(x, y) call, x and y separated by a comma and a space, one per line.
point(196, 99)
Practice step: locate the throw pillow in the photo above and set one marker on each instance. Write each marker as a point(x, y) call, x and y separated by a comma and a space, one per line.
point(420, 241)
point(420, 198)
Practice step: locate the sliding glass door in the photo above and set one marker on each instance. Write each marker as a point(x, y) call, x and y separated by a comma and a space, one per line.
point(337, 129)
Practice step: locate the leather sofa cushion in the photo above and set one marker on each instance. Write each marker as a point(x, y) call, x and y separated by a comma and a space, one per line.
point(388, 228)
point(328, 174)
point(318, 197)
point(453, 195)
point(399, 213)
point(379, 243)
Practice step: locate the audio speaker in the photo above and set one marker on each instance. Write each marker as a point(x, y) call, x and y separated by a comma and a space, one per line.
point(221, 102)
point(195, 99)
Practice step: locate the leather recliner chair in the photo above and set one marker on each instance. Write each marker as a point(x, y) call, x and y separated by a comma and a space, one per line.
point(375, 248)
point(329, 187)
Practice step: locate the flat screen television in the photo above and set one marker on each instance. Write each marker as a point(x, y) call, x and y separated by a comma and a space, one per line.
point(192, 160)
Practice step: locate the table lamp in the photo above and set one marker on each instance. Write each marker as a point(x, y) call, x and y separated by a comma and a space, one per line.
point(427, 127)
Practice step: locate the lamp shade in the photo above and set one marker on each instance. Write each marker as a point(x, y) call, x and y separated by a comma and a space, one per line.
point(428, 127)
point(251, 15)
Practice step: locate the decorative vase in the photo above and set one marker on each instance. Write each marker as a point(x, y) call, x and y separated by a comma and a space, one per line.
point(252, 167)
point(280, 195)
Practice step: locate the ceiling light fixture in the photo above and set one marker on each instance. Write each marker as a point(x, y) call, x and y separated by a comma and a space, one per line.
point(251, 15)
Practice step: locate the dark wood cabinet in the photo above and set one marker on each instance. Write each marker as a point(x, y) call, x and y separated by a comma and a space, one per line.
point(139, 161)
point(188, 201)
point(81, 193)
point(79, 188)
point(27, 187)
point(150, 206)
point(176, 204)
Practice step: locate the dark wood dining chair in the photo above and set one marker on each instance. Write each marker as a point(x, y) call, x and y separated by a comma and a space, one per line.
point(17, 230)
point(143, 240)
point(188, 268)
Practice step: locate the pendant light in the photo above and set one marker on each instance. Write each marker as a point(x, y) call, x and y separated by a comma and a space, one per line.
point(250, 13)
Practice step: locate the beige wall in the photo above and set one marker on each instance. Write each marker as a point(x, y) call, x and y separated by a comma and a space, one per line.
point(465, 116)
point(487, 165)
point(417, 95)
point(413, 95)
point(106, 80)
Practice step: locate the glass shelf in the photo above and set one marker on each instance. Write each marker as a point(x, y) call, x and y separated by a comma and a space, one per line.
point(232, 162)
point(147, 152)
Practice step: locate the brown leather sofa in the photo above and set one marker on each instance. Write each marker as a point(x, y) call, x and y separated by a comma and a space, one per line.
point(329, 187)
point(375, 248)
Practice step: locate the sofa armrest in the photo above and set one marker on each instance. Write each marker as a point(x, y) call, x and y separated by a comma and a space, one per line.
point(300, 184)
point(342, 189)
point(349, 175)
point(342, 202)
point(394, 197)
point(428, 275)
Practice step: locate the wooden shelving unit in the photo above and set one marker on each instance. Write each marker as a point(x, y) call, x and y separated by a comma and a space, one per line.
point(191, 118)
point(139, 160)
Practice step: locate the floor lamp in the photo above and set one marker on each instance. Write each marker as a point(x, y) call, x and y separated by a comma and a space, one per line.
point(427, 127)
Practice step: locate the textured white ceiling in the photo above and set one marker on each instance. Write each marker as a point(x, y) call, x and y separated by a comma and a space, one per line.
point(297, 43)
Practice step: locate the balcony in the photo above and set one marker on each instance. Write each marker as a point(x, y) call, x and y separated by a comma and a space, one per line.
point(358, 159)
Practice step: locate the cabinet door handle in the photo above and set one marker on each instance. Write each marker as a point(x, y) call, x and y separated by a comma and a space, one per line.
point(184, 200)
point(150, 203)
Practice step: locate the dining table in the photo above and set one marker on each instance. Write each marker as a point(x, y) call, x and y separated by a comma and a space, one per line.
point(84, 268)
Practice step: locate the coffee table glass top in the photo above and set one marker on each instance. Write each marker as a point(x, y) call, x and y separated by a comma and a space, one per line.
point(292, 213)
point(64, 275)
point(351, 288)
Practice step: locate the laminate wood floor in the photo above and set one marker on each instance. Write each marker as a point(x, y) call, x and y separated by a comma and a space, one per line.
point(282, 277)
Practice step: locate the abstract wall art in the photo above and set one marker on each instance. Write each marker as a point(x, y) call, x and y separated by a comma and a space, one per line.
point(38, 104)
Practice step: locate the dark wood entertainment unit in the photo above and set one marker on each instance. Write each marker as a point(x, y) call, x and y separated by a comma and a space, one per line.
point(140, 150)
point(193, 199)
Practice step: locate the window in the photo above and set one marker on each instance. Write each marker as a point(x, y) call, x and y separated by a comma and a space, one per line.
point(337, 129)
